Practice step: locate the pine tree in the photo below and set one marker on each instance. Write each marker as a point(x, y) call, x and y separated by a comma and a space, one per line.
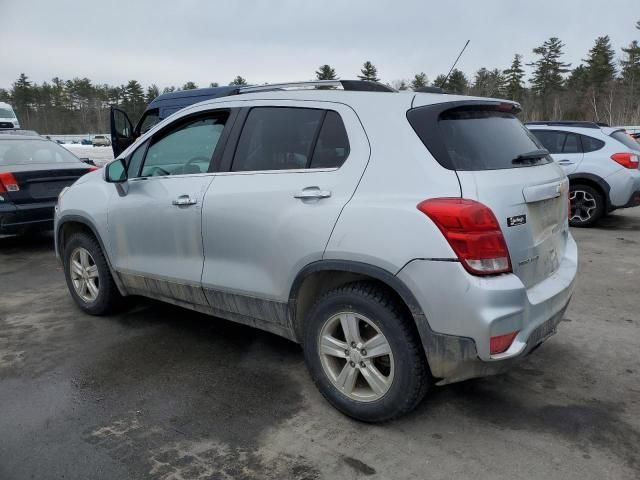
point(457, 82)
point(189, 86)
point(631, 64)
point(214, 85)
point(488, 83)
point(514, 79)
point(440, 81)
point(419, 80)
point(238, 81)
point(548, 69)
point(168, 89)
point(369, 72)
point(326, 72)
point(152, 92)
point(600, 67)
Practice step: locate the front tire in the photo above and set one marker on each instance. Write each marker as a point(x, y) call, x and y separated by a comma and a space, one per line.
point(364, 354)
point(88, 276)
point(587, 206)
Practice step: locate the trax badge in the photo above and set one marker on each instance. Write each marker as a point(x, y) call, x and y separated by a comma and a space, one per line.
point(517, 220)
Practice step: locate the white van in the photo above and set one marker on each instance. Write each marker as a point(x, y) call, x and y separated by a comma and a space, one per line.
point(8, 117)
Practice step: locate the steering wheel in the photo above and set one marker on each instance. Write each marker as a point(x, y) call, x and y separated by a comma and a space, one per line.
point(155, 168)
point(196, 159)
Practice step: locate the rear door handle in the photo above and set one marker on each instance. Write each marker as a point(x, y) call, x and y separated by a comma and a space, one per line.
point(184, 200)
point(312, 192)
point(565, 162)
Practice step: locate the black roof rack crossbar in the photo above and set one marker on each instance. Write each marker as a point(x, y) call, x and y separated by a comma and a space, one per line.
point(569, 123)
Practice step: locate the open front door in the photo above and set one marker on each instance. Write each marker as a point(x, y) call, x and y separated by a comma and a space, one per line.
point(121, 131)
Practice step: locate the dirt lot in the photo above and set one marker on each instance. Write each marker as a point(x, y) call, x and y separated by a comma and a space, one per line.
point(160, 392)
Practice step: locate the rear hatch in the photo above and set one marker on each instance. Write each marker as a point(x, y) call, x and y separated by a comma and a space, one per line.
point(500, 164)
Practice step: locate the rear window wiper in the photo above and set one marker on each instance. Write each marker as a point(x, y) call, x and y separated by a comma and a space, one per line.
point(530, 156)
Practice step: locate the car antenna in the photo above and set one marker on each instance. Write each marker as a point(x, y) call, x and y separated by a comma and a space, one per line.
point(454, 64)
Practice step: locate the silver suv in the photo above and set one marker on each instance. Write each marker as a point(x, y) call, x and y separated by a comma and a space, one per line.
point(601, 163)
point(404, 240)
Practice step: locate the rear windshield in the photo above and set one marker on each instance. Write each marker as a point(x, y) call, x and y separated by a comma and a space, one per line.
point(624, 138)
point(475, 138)
point(25, 152)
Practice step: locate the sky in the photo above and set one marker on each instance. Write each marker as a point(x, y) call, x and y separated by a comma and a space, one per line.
point(172, 42)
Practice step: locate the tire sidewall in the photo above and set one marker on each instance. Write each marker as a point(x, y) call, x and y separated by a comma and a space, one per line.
point(83, 241)
point(387, 322)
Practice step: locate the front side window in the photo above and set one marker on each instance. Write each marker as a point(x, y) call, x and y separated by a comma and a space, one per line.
point(133, 169)
point(277, 138)
point(149, 119)
point(185, 150)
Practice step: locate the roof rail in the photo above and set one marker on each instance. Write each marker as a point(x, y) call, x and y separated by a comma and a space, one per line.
point(568, 123)
point(350, 85)
point(430, 90)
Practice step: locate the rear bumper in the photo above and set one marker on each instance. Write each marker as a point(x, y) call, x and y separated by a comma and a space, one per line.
point(625, 188)
point(18, 218)
point(462, 312)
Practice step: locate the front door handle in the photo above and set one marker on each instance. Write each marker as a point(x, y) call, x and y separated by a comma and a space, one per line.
point(565, 162)
point(184, 200)
point(312, 193)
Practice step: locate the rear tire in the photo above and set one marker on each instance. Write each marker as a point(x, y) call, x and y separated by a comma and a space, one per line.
point(587, 205)
point(372, 386)
point(88, 276)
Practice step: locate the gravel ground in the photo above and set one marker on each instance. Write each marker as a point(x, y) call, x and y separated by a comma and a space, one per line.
point(161, 392)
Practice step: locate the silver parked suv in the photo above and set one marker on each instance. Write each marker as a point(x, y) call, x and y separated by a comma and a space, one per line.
point(601, 163)
point(402, 239)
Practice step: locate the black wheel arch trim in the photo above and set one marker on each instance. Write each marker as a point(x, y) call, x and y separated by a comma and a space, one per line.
point(447, 355)
point(89, 224)
point(606, 188)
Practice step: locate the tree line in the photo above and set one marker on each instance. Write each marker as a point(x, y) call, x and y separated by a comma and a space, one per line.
point(602, 88)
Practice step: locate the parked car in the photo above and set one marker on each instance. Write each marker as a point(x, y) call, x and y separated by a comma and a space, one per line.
point(100, 141)
point(33, 171)
point(601, 163)
point(8, 117)
point(86, 141)
point(402, 239)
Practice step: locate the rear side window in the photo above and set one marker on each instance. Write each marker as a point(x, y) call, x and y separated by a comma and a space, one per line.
point(283, 138)
point(332, 147)
point(624, 138)
point(475, 138)
point(552, 141)
point(565, 142)
point(590, 144)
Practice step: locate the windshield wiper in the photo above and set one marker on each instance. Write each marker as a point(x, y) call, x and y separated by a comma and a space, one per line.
point(530, 156)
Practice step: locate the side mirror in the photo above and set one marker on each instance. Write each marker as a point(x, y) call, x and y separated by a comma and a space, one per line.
point(116, 171)
point(88, 161)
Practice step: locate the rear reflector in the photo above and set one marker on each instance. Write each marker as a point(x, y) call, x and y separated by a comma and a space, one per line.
point(501, 343)
point(472, 231)
point(627, 160)
point(8, 182)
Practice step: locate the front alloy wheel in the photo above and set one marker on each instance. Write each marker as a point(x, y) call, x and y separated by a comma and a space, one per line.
point(84, 275)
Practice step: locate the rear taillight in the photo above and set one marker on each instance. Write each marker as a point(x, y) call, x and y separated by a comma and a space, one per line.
point(472, 231)
point(501, 343)
point(8, 182)
point(627, 160)
point(93, 169)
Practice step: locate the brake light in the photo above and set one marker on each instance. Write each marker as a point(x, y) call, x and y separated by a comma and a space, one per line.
point(8, 182)
point(93, 169)
point(501, 343)
point(473, 232)
point(627, 160)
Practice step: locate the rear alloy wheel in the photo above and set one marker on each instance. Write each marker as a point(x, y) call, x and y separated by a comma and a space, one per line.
point(364, 354)
point(587, 206)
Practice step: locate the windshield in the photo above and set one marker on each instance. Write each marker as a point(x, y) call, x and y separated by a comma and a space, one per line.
point(33, 151)
point(7, 113)
point(624, 138)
